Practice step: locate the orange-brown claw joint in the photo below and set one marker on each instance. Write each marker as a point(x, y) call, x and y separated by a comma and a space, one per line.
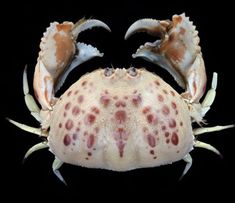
point(177, 51)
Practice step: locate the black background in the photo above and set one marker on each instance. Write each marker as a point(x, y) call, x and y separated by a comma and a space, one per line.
point(22, 28)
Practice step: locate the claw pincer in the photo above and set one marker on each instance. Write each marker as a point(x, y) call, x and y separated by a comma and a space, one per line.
point(59, 55)
point(177, 51)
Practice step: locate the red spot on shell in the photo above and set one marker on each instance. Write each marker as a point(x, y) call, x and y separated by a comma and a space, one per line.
point(160, 98)
point(157, 82)
point(120, 104)
point(172, 123)
point(75, 93)
point(156, 132)
point(115, 97)
point(125, 97)
point(120, 116)
point(104, 100)
point(152, 119)
point(84, 83)
point(75, 110)
point(69, 93)
point(90, 141)
point(174, 138)
point(67, 106)
point(90, 119)
point(151, 140)
point(172, 93)
point(121, 146)
point(167, 141)
point(146, 109)
point(60, 125)
point(163, 127)
point(165, 110)
point(151, 151)
point(67, 140)
point(65, 114)
point(167, 134)
point(69, 124)
point(106, 92)
point(89, 153)
point(75, 136)
point(77, 129)
point(165, 91)
point(136, 100)
point(95, 110)
point(173, 105)
point(80, 99)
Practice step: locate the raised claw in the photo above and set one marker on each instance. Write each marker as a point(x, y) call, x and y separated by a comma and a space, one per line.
point(59, 54)
point(177, 51)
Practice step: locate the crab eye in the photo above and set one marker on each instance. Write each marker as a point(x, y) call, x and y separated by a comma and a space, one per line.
point(108, 71)
point(132, 71)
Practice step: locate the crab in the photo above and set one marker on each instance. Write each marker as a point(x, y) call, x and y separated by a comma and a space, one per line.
point(121, 119)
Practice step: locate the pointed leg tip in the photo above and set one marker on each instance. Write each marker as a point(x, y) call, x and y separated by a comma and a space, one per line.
point(181, 177)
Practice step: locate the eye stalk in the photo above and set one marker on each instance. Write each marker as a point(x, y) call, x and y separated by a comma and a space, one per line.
point(132, 71)
point(108, 71)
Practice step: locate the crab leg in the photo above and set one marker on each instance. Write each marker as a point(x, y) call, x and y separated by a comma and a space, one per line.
point(41, 145)
point(210, 95)
point(37, 131)
point(188, 159)
point(55, 166)
point(199, 131)
point(29, 100)
point(207, 146)
point(177, 51)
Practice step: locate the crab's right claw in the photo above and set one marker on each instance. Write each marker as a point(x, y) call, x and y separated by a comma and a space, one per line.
point(177, 51)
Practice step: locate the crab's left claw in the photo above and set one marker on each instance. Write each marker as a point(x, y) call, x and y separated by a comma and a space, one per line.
point(177, 51)
point(59, 55)
point(84, 52)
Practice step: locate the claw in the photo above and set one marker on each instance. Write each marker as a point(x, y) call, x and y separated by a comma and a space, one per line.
point(86, 52)
point(59, 54)
point(84, 24)
point(177, 51)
